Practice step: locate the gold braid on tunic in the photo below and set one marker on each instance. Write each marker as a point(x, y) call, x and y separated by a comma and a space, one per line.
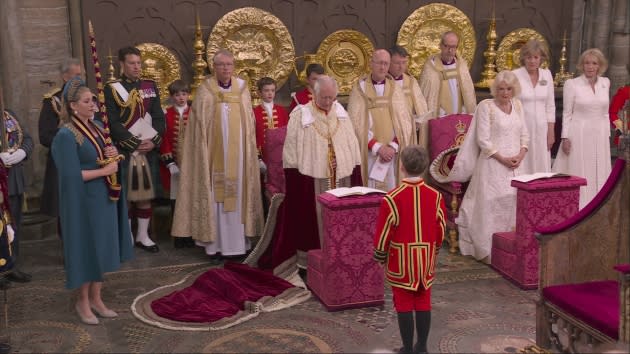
point(332, 163)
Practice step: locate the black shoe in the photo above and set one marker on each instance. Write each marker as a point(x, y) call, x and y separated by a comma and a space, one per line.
point(19, 276)
point(150, 249)
point(189, 242)
point(216, 259)
point(5, 348)
point(179, 242)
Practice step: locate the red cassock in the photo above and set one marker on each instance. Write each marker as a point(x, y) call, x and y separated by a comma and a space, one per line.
point(301, 97)
point(616, 105)
point(279, 119)
point(409, 233)
point(168, 149)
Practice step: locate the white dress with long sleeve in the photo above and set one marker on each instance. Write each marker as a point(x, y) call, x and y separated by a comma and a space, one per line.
point(489, 204)
point(540, 110)
point(585, 123)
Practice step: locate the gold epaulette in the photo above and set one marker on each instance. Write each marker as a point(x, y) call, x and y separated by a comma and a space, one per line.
point(112, 81)
point(52, 92)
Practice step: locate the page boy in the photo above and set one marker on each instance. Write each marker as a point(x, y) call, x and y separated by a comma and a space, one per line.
point(409, 233)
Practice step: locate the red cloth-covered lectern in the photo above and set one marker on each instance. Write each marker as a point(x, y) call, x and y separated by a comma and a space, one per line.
point(539, 203)
point(342, 274)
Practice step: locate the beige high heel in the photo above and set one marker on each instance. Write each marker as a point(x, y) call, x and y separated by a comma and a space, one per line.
point(89, 320)
point(105, 314)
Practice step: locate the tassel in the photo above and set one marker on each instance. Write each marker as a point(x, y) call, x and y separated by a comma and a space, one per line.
point(134, 176)
point(145, 177)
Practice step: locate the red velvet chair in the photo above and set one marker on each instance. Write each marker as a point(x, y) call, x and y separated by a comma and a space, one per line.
point(582, 305)
point(446, 133)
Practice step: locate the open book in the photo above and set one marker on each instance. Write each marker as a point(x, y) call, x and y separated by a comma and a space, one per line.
point(345, 191)
point(143, 128)
point(538, 175)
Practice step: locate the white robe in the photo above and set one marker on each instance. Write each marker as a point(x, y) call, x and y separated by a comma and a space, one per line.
point(540, 110)
point(489, 204)
point(585, 123)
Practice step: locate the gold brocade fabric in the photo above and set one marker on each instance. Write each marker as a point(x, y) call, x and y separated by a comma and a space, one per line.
point(378, 108)
point(306, 144)
point(224, 178)
point(358, 111)
point(195, 209)
point(431, 80)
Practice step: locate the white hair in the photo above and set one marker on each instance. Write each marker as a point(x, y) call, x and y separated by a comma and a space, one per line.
point(323, 80)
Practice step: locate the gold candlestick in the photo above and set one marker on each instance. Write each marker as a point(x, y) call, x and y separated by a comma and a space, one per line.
point(562, 75)
point(110, 67)
point(199, 65)
point(489, 72)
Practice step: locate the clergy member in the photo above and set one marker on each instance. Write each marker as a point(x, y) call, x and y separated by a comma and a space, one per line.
point(219, 201)
point(416, 104)
point(321, 152)
point(445, 80)
point(382, 123)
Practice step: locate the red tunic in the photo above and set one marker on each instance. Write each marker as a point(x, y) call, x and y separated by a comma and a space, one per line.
point(409, 233)
point(168, 149)
point(280, 119)
point(301, 97)
point(616, 105)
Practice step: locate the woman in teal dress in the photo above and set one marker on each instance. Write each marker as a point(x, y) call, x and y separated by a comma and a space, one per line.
point(96, 233)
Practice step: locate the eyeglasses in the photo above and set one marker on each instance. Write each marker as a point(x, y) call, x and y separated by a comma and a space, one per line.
point(220, 65)
point(453, 47)
point(382, 63)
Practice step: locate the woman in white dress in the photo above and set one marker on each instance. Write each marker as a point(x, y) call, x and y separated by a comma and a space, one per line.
point(585, 147)
point(498, 138)
point(539, 105)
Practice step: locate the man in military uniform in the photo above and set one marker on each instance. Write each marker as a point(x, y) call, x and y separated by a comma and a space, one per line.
point(128, 101)
point(48, 125)
point(19, 147)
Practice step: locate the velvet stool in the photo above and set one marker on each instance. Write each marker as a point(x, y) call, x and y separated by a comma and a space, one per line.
point(539, 203)
point(342, 274)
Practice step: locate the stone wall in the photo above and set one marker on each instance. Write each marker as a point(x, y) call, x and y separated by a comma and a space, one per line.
point(120, 23)
point(30, 51)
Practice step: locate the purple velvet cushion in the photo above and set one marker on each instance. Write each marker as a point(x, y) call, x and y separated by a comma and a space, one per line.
point(505, 241)
point(594, 303)
point(623, 268)
point(274, 143)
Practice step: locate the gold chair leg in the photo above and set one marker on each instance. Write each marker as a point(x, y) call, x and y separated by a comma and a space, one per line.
point(452, 241)
point(452, 233)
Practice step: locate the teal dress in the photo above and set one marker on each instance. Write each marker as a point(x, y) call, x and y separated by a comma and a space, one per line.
point(96, 235)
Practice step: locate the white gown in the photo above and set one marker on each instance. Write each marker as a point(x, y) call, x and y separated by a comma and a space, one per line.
point(585, 123)
point(489, 204)
point(540, 110)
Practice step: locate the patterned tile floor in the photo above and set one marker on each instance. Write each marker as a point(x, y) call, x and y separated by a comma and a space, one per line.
point(474, 310)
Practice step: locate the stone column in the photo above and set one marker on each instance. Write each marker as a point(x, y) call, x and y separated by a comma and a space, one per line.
point(619, 53)
point(12, 70)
